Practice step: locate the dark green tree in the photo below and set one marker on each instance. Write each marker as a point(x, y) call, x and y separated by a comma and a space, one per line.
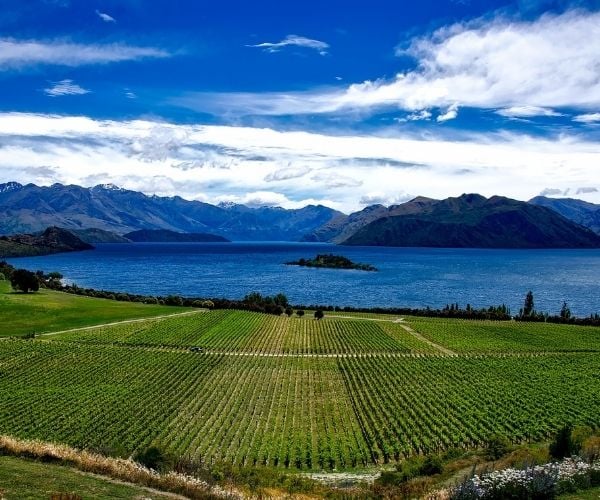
point(319, 314)
point(563, 445)
point(565, 312)
point(528, 306)
point(24, 280)
point(300, 313)
point(289, 311)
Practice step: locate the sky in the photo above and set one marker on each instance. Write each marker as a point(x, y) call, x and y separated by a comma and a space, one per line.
point(341, 103)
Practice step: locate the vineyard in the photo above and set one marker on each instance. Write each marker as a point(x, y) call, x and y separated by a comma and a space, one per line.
point(294, 392)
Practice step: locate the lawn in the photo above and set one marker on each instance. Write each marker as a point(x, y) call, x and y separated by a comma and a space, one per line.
point(23, 478)
point(48, 310)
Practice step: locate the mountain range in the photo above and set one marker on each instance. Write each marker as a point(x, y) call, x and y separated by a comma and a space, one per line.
point(106, 213)
point(473, 221)
point(29, 208)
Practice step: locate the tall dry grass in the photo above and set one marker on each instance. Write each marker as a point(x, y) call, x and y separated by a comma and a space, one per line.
point(116, 468)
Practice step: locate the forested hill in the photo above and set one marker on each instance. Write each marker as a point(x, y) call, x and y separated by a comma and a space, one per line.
point(52, 240)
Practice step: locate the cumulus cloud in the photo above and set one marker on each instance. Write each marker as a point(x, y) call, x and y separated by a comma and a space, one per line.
point(424, 114)
point(22, 53)
point(295, 41)
point(186, 160)
point(450, 114)
point(504, 64)
point(587, 118)
point(105, 17)
point(65, 87)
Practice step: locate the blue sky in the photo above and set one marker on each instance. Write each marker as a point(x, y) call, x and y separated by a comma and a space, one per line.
point(287, 103)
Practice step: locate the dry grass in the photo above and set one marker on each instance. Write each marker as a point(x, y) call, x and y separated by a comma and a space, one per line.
point(116, 468)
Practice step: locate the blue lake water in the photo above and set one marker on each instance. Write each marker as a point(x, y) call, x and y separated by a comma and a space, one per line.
point(413, 277)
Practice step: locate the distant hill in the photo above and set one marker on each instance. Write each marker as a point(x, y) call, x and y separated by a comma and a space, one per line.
point(52, 240)
point(31, 208)
point(342, 227)
point(95, 235)
point(582, 212)
point(474, 221)
point(164, 236)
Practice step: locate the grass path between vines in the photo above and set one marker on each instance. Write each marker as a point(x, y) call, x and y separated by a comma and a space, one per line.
point(124, 322)
point(408, 329)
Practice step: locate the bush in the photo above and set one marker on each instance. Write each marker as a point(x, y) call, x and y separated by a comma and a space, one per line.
point(24, 280)
point(496, 447)
point(208, 304)
point(319, 314)
point(174, 300)
point(153, 458)
point(300, 313)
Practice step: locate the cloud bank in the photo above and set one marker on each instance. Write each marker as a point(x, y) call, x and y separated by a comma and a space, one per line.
point(221, 163)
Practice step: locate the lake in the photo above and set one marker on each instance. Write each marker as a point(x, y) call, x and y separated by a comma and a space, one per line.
point(413, 277)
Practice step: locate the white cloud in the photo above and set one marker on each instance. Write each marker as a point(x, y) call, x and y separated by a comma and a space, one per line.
point(527, 112)
point(450, 114)
point(424, 115)
point(551, 62)
point(171, 159)
point(22, 53)
point(106, 17)
point(65, 87)
point(284, 174)
point(380, 198)
point(587, 190)
point(587, 118)
point(334, 180)
point(296, 41)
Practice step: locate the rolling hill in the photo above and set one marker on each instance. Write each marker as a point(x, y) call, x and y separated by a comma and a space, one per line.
point(475, 221)
point(52, 240)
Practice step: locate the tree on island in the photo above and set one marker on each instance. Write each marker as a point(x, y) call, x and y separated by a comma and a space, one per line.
point(24, 280)
point(319, 314)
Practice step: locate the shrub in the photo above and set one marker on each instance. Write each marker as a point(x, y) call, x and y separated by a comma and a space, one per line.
point(319, 314)
point(174, 300)
point(496, 447)
point(300, 313)
point(208, 304)
point(24, 280)
point(153, 458)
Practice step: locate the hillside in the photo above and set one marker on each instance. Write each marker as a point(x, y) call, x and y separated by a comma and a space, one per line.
point(52, 240)
point(95, 235)
point(477, 222)
point(292, 392)
point(164, 236)
point(579, 211)
point(31, 208)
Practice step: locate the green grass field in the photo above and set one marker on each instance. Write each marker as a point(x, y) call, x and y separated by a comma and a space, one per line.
point(48, 310)
point(26, 479)
point(289, 392)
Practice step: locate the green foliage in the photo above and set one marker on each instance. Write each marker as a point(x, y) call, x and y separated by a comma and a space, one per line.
point(528, 306)
point(319, 314)
point(333, 262)
point(154, 458)
point(24, 280)
point(300, 313)
point(496, 447)
point(565, 312)
point(2, 277)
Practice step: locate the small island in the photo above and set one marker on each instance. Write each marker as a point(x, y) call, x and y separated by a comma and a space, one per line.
point(332, 262)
